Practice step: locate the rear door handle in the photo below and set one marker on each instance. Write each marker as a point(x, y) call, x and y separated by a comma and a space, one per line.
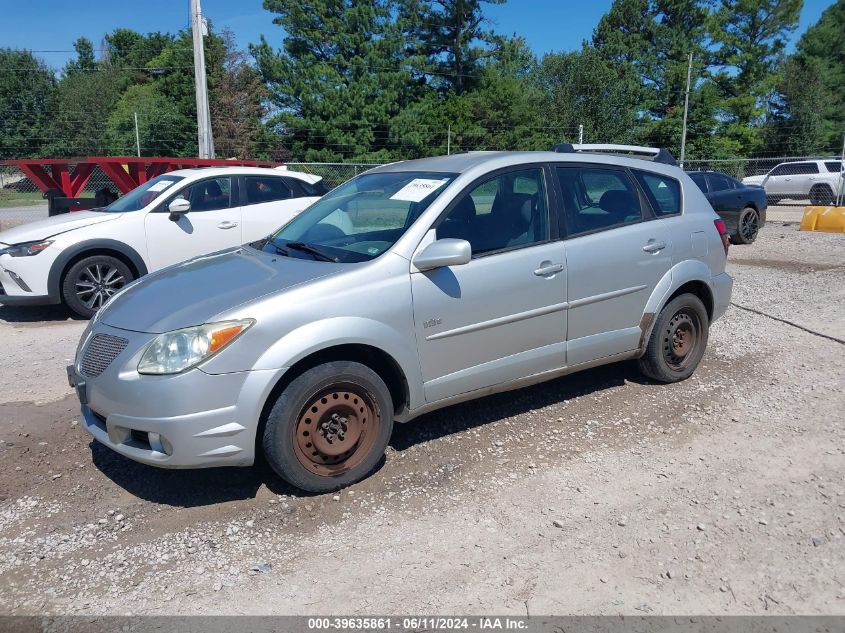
point(226, 224)
point(654, 247)
point(547, 270)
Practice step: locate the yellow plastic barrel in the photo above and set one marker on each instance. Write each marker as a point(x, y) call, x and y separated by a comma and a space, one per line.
point(825, 219)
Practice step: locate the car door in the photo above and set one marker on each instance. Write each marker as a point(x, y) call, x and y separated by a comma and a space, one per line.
point(723, 195)
point(807, 175)
point(617, 249)
point(502, 316)
point(213, 223)
point(270, 202)
point(779, 181)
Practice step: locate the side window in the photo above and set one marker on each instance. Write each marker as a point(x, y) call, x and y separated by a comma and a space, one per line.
point(663, 192)
point(208, 195)
point(833, 166)
point(700, 180)
point(266, 189)
point(596, 198)
point(806, 168)
point(781, 170)
point(719, 183)
point(506, 211)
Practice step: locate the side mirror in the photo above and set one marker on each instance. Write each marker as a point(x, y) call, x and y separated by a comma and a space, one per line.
point(178, 208)
point(445, 252)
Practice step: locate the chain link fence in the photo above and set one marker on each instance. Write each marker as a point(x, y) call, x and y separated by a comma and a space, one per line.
point(806, 181)
point(16, 190)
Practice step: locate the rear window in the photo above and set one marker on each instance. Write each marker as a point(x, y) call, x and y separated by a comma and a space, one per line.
point(663, 192)
point(266, 189)
point(700, 180)
point(718, 182)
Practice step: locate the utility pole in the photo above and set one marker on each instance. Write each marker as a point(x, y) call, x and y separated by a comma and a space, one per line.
point(449, 140)
point(199, 28)
point(580, 133)
point(686, 109)
point(841, 188)
point(137, 137)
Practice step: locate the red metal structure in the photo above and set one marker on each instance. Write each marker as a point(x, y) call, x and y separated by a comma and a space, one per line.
point(70, 175)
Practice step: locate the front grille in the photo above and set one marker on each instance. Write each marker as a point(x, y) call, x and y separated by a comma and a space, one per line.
point(100, 353)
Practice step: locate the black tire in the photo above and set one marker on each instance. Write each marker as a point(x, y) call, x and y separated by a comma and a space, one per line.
point(821, 195)
point(683, 321)
point(288, 427)
point(747, 227)
point(91, 281)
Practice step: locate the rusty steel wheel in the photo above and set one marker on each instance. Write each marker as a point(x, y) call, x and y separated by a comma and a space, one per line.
point(329, 427)
point(678, 340)
point(336, 429)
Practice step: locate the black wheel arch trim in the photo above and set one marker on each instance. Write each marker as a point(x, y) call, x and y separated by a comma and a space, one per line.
point(54, 280)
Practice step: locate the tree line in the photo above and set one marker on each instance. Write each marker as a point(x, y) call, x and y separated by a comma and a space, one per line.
point(381, 80)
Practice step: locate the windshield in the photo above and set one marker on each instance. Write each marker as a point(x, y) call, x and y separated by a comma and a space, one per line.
point(361, 219)
point(141, 196)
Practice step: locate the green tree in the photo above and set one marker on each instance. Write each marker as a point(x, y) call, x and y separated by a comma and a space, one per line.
point(452, 36)
point(821, 53)
point(750, 37)
point(655, 37)
point(26, 93)
point(338, 80)
point(84, 61)
point(82, 105)
point(163, 130)
point(584, 88)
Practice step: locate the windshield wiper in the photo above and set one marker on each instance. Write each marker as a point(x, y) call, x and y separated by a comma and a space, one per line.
point(280, 249)
point(312, 250)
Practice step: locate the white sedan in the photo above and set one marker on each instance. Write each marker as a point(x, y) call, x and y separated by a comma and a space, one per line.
point(82, 259)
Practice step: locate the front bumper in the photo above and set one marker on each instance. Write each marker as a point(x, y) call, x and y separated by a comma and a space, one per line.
point(189, 420)
point(722, 288)
point(23, 281)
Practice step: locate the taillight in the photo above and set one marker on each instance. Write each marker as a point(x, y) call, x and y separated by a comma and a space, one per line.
point(723, 233)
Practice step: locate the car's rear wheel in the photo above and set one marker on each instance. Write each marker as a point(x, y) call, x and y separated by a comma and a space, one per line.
point(92, 281)
point(329, 427)
point(747, 227)
point(821, 195)
point(678, 341)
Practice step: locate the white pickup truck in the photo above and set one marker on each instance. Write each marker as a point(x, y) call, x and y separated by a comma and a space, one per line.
point(818, 180)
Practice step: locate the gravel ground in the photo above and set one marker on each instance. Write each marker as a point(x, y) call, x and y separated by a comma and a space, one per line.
point(599, 493)
point(14, 216)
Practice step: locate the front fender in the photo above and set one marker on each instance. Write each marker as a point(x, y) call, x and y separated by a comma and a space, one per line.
point(324, 334)
point(680, 274)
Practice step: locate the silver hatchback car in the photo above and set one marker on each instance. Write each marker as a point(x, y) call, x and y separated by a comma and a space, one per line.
point(411, 287)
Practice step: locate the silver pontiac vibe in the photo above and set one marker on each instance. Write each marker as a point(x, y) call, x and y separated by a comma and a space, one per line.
point(411, 287)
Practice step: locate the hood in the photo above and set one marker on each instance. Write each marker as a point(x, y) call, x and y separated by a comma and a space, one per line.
point(43, 229)
point(754, 180)
point(196, 291)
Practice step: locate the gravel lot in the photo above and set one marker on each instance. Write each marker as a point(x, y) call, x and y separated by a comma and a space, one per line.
point(599, 493)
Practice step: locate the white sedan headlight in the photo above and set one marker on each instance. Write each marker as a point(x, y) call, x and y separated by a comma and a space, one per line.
point(180, 350)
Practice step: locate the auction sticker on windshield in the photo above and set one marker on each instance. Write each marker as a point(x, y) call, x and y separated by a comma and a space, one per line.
point(160, 185)
point(418, 189)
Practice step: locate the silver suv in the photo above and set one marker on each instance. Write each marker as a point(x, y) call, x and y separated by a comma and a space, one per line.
point(409, 288)
point(818, 180)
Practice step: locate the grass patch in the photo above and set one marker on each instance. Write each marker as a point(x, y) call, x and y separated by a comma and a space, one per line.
point(10, 198)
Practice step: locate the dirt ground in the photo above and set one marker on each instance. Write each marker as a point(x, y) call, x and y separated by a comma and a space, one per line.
point(599, 493)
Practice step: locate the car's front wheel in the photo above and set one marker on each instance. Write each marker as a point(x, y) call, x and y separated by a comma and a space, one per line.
point(748, 227)
point(329, 427)
point(678, 341)
point(92, 281)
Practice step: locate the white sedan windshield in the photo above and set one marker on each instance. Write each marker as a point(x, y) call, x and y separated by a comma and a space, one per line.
point(141, 196)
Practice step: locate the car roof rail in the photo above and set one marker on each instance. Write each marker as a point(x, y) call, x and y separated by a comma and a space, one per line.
point(656, 154)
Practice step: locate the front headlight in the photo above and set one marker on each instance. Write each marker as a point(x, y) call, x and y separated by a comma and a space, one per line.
point(26, 249)
point(180, 350)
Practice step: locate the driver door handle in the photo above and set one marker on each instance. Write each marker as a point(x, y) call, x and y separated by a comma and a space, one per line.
point(226, 224)
point(654, 247)
point(548, 270)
